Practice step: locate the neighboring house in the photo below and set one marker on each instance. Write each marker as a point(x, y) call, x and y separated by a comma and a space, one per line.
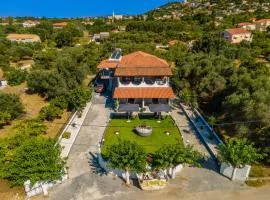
point(30, 23)
point(115, 17)
point(60, 25)
point(23, 37)
point(162, 46)
point(139, 78)
point(259, 25)
point(247, 25)
point(237, 35)
point(262, 24)
point(118, 17)
point(100, 36)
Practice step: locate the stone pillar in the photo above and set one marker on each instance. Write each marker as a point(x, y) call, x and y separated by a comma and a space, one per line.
point(142, 103)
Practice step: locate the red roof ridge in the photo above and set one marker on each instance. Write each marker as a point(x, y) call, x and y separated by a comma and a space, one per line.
point(236, 31)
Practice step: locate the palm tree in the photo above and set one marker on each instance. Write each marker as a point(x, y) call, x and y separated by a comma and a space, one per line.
point(127, 156)
point(238, 152)
point(169, 156)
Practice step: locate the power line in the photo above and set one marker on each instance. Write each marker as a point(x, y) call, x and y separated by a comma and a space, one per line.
point(122, 126)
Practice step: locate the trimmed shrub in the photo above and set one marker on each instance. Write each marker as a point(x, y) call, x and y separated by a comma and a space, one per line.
point(16, 77)
point(66, 135)
point(50, 113)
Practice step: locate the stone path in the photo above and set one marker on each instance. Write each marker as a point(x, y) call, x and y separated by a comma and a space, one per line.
point(208, 136)
point(66, 143)
point(187, 130)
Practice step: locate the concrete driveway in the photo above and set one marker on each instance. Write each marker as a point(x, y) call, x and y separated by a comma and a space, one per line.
point(88, 182)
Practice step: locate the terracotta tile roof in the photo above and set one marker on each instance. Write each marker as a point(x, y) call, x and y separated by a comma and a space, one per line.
point(138, 64)
point(107, 64)
point(60, 24)
point(143, 71)
point(31, 22)
point(149, 92)
point(15, 36)
point(244, 24)
point(237, 31)
point(141, 59)
point(262, 20)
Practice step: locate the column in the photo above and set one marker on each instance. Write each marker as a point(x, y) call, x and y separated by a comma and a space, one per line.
point(142, 103)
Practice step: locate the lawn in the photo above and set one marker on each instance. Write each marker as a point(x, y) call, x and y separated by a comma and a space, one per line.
point(150, 143)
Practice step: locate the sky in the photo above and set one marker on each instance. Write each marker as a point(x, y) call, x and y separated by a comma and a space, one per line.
point(76, 8)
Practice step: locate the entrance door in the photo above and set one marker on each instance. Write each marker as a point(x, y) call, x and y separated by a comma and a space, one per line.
point(155, 101)
point(131, 101)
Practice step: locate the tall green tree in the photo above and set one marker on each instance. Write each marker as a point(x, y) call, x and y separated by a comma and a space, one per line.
point(63, 38)
point(11, 104)
point(37, 159)
point(127, 156)
point(79, 97)
point(238, 152)
point(169, 156)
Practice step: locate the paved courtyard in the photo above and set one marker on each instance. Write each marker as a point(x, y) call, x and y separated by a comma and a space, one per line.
point(88, 182)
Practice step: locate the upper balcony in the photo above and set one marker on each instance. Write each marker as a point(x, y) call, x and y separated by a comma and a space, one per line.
point(143, 81)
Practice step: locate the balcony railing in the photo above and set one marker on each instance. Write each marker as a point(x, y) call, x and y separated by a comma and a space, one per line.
point(142, 82)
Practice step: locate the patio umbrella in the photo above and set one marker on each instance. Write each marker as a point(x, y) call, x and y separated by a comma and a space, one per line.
point(129, 108)
point(158, 108)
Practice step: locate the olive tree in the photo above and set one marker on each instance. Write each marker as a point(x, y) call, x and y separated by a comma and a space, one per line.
point(169, 156)
point(127, 156)
point(238, 152)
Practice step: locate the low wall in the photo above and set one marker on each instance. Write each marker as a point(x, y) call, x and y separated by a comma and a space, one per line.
point(41, 187)
point(241, 174)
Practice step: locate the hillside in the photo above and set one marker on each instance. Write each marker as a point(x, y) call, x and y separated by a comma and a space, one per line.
point(176, 10)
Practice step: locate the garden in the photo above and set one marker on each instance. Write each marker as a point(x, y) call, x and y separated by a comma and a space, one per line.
point(163, 132)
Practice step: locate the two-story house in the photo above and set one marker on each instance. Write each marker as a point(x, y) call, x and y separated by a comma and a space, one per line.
point(237, 35)
point(139, 78)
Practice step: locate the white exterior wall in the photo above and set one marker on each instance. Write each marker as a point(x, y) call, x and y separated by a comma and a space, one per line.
point(250, 27)
point(28, 25)
point(234, 39)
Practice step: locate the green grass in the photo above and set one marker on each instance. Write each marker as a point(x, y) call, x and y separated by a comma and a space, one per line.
point(257, 183)
point(151, 143)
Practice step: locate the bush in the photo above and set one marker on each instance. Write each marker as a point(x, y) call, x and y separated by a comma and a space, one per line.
point(66, 135)
point(11, 104)
point(36, 159)
point(60, 102)
point(32, 127)
point(50, 112)
point(4, 118)
point(16, 77)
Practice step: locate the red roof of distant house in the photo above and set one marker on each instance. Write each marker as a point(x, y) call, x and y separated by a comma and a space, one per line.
point(237, 31)
point(150, 92)
point(60, 24)
point(244, 24)
point(262, 20)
